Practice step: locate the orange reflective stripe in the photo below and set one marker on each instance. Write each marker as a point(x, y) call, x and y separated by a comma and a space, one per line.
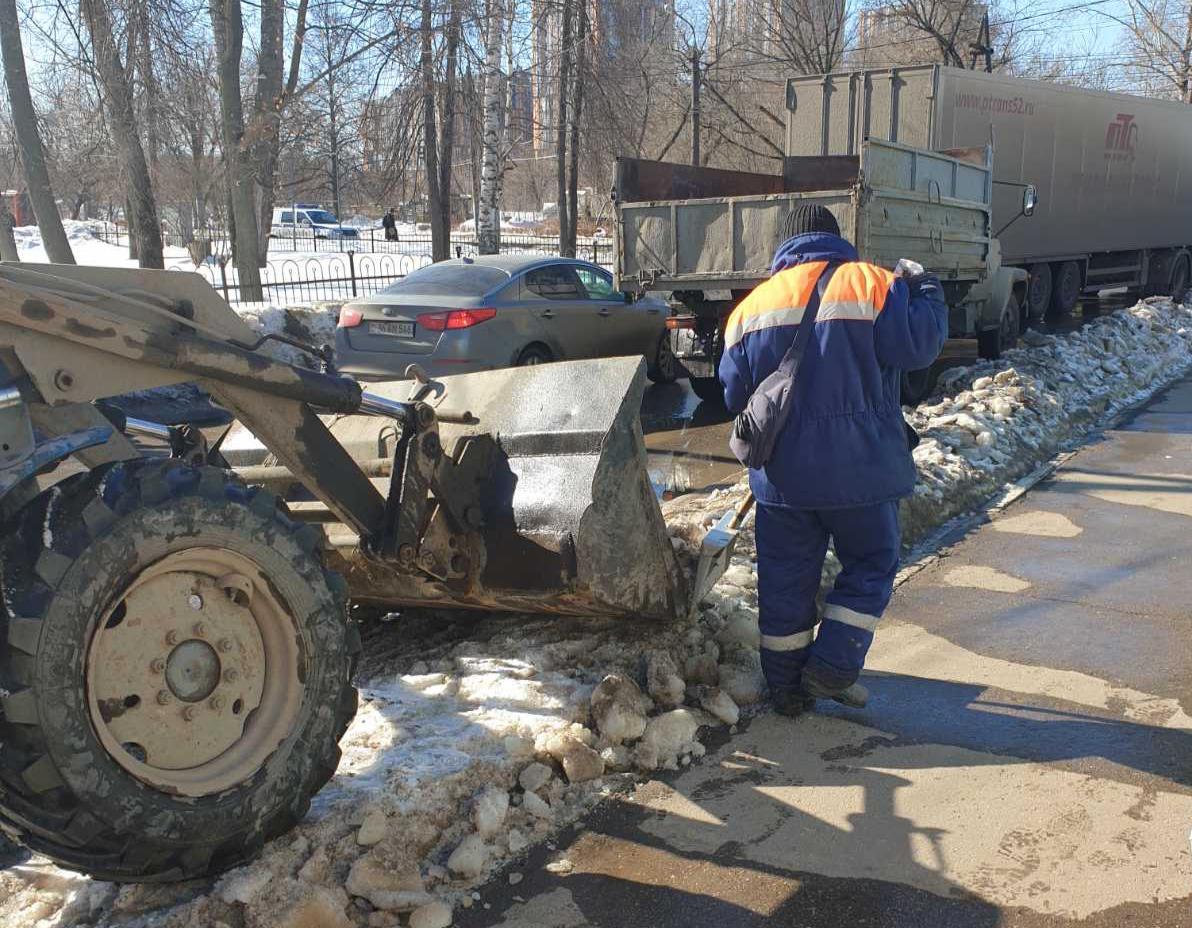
point(860, 283)
point(785, 293)
point(856, 291)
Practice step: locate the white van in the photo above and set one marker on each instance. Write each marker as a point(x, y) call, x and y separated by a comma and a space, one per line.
point(303, 219)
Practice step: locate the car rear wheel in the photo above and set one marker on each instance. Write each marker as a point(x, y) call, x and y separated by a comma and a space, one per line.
point(665, 367)
point(534, 354)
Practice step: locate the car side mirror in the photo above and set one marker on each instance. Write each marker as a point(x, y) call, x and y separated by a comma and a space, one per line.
point(1030, 199)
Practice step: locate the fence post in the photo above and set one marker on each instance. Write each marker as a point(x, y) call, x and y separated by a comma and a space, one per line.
point(223, 276)
point(352, 270)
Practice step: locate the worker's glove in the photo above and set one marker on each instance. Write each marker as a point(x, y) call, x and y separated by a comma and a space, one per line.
point(924, 284)
point(907, 268)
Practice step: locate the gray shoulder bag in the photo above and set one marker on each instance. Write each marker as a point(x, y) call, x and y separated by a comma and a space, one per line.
point(756, 428)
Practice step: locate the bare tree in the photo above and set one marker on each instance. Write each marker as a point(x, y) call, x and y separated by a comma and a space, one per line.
point(33, 156)
point(579, 80)
point(564, 85)
point(1158, 46)
point(122, 117)
point(228, 26)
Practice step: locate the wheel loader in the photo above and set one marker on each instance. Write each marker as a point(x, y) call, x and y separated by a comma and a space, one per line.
point(176, 658)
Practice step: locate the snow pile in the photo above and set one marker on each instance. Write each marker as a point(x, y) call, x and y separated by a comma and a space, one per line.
point(312, 324)
point(991, 423)
point(479, 736)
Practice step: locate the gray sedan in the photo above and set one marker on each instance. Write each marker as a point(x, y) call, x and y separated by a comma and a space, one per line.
point(473, 314)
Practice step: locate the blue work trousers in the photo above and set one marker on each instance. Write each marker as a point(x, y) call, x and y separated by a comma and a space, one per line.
point(791, 546)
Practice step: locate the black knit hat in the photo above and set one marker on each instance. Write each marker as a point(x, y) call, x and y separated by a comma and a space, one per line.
point(810, 217)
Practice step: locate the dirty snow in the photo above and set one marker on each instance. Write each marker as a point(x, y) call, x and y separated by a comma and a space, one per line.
point(478, 736)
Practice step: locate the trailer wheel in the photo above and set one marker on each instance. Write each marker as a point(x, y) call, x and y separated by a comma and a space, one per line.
point(1038, 290)
point(1065, 293)
point(177, 672)
point(992, 343)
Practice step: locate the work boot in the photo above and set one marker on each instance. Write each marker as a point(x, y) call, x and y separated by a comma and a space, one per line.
point(791, 701)
point(855, 696)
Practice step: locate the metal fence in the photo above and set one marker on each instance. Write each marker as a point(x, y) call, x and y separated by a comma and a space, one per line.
point(334, 277)
point(373, 241)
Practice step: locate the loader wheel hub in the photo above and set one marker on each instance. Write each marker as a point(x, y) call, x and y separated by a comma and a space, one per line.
point(193, 673)
point(193, 670)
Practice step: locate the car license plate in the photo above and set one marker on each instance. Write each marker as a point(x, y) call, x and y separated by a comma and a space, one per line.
point(395, 329)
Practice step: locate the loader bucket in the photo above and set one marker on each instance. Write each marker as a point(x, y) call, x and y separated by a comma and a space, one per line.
point(572, 525)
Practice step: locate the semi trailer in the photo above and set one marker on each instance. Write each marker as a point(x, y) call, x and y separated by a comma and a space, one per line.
point(1113, 171)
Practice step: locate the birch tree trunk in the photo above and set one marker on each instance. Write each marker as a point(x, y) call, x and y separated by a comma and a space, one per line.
point(33, 153)
point(561, 128)
point(122, 119)
point(488, 227)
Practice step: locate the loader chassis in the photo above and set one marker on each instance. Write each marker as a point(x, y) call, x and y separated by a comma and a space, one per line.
point(175, 653)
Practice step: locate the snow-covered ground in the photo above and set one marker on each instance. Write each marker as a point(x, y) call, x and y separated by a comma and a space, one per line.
point(479, 736)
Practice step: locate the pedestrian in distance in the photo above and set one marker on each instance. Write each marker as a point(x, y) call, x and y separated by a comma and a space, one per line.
point(389, 224)
point(842, 459)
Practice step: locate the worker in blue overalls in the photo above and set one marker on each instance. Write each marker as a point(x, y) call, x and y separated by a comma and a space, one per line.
point(843, 459)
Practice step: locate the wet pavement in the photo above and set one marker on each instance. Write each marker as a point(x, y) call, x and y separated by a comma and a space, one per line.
point(1025, 759)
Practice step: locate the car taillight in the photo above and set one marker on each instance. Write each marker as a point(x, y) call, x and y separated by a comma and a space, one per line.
point(349, 318)
point(455, 319)
point(680, 322)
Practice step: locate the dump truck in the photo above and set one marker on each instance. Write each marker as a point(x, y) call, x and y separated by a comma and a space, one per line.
point(1111, 169)
point(176, 658)
point(708, 235)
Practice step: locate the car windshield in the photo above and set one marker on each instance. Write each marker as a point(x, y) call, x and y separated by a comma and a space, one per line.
point(322, 217)
point(450, 280)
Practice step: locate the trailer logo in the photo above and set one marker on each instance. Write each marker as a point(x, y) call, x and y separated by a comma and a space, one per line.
point(1121, 137)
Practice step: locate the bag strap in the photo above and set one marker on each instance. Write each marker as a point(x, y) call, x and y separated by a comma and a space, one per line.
point(789, 365)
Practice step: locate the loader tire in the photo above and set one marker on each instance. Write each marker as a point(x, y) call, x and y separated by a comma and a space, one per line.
point(175, 672)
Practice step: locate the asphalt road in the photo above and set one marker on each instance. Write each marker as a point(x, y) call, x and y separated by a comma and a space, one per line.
point(1025, 760)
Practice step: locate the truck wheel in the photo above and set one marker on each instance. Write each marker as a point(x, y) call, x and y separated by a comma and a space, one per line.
point(916, 385)
point(1038, 290)
point(664, 368)
point(992, 343)
point(1065, 292)
point(1180, 277)
point(176, 669)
